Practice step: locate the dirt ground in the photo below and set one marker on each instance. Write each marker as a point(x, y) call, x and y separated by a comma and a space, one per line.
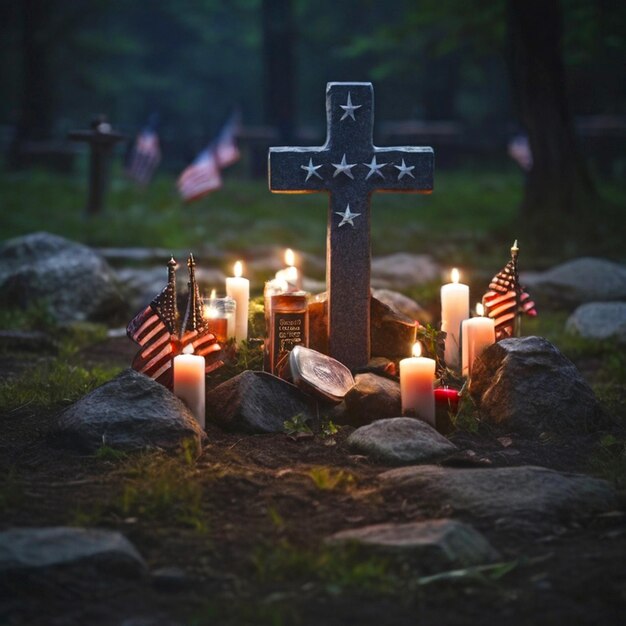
point(261, 506)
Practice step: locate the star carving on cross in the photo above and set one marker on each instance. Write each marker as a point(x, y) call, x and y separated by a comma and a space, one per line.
point(344, 167)
point(349, 109)
point(347, 217)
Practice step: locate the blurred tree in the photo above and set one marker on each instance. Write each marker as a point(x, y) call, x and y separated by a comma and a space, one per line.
point(279, 41)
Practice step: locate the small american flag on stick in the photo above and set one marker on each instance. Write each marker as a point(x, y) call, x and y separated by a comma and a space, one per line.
point(201, 177)
point(507, 300)
point(156, 330)
point(145, 156)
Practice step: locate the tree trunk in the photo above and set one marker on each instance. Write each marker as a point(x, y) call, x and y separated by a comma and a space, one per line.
point(278, 48)
point(558, 187)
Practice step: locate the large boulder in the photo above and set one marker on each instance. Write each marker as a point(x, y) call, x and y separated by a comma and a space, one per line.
point(599, 321)
point(527, 499)
point(403, 270)
point(372, 398)
point(400, 440)
point(130, 412)
point(38, 550)
point(436, 545)
point(392, 334)
point(527, 385)
point(402, 304)
point(256, 402)
point(576, 282)
point(73, 280)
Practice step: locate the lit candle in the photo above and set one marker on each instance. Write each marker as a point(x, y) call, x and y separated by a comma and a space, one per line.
point(189, 382)
point(417, 376)
point(215, 314)
point(454, 309)
point(478, 333)
point(290, 274)
point(238, 288)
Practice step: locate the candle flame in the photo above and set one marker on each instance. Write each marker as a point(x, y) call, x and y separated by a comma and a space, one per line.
point(290, 257)
point(417, 349)
point(188, 349)
point(238, 269)
point(454, 274)
point(213, 294)
point(480, 309)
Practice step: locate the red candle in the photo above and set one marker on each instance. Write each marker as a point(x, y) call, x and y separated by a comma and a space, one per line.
point(446, 403)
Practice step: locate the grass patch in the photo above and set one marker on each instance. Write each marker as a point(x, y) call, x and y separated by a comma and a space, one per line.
point(154, 487)
point(52, 383)
point(328, 479)
point(336, 569)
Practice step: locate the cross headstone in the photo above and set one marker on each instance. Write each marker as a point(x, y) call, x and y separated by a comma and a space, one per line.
point(101, 139)
point(350, 168)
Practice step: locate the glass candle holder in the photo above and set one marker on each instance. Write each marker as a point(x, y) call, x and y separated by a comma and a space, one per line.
point(288, 327)
point(273, 287)
point(221, 317)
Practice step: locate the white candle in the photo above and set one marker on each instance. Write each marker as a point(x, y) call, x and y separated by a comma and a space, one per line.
point(290, 274)
point(417, 376)
point(238, 289)
point(454, 309)
point(189, 382)
point(477, 333)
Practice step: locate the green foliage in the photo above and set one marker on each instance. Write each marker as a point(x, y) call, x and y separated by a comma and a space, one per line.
point(154, 487)
point(467, 417)
point(35, 317)
point(328, 479)
point(107, 453)
point(336, 569)
point(297, 425)
point(328, 427)
point(51, 383)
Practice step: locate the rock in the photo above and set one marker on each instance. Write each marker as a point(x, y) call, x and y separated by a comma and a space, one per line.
point(75, 282)
point(402, 304)
point(527, 385)
point(526, 498)
point(171, 579)
point(130, 412)
point(392, 334)
point(403, 270)
point(576, 282)
point(256, 402)
point(34, 550)
point(599, 320)
point(372, 397)
point(437, 545)
point(400, 440)
point(141, 285)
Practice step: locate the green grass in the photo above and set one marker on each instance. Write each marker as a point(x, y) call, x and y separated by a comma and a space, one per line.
point(152, 487)
point(52, 383)
point(329, 479)
point(465, 206)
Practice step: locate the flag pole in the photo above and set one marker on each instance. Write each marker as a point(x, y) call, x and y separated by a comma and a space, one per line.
point(518, 292)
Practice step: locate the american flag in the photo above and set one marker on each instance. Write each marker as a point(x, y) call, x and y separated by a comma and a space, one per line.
point(145, 155)
point(201, 177)
point(226, 150)
point(154, 329)
point(506, 299)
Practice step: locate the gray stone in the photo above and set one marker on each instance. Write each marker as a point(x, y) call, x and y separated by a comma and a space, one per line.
point(141, 285)
point(436, 544)
point(400, 440)
point(130, 412)
point(528, 499)
point(529, 387)
point(372, 397)
point(402, 304)
point(256, 402)
point(599, 320)
point(402, 270)
point(576, 282)
point(32, 550)
point(75, 282)
point(340, 167)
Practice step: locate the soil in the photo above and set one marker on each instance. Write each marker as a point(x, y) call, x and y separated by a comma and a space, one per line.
point(257, 491)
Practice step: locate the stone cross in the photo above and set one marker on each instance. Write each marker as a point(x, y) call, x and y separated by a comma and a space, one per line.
point(350, 168)
point(101, 139)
